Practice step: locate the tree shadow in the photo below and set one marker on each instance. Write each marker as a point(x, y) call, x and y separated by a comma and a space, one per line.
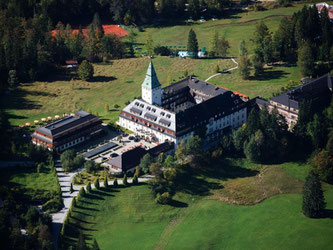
point(82, 221)
point(175, 203)
point(81, 88)
point(17, 100)
point(269, 75)
point(189, 182)
point(225, 169)
point(93, 197)
point(87, 208)
point(100, 193)
point(103, 79)
point(88, 202)
point(80, 212)
point(328, 213)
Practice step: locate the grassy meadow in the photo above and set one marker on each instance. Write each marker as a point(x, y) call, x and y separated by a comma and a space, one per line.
point(120, 81)
point(236, 26)
point(27, 179)
point(128, 218)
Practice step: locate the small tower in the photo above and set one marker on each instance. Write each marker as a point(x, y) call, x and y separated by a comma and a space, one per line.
point(151, 88)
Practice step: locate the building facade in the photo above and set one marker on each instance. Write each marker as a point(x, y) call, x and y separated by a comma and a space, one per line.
point(319, 91)
point(68, 132)
point(179, 110)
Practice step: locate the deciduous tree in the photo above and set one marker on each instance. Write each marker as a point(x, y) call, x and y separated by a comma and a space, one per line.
point(86, 70)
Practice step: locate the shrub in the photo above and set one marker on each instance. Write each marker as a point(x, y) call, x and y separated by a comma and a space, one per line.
point(137, 171)
point(145, 162)
point(115, 183)
point(86, 70)
point(163, 199)
point(162, 51)
point(70, 161)
point(91, 166)
point(53, 205)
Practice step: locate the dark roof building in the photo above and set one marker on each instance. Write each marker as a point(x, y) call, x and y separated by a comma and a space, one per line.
point(67, 132)
point(129, 160)
point(179, 109)
point(319, 91)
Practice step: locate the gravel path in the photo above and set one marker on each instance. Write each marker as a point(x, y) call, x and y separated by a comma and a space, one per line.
point(65, 183)
point(224, 71)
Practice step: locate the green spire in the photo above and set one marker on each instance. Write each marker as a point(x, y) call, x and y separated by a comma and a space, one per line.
point(151, 80)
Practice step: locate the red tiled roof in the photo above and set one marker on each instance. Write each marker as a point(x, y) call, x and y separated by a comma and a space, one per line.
point(108, 29)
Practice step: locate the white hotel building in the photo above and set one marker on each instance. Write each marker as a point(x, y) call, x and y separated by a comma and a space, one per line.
point(179, 110)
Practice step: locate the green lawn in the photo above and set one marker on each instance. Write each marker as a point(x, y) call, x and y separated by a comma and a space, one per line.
point(120, 81)
point(236, 26)
point(28, 179)
point(128, 218)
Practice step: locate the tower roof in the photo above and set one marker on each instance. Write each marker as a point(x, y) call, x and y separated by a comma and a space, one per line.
point(151, 80)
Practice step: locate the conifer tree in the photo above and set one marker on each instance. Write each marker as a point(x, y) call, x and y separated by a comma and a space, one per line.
point(95, 245)
point(82, 193)
point(214, 42)
point(71, 188)
point(74, 202)
point(81, 242)
point(223, 46)
point(244, 62)
point(106, 182)
point(115, 183)
point(97, 183)
point(135, 179)
point(306, 60)
point(313, 198)
point(192, 44)
point(125, 180)
point(89, 187)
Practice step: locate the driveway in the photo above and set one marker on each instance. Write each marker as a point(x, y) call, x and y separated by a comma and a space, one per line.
point(65, 183)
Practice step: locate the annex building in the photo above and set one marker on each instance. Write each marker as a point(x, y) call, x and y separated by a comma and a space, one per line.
point(319, 91)
point(67, 132)
point(178, 111)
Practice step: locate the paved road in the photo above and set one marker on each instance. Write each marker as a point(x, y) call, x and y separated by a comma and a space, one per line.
point(224, 71)
point(65, 183)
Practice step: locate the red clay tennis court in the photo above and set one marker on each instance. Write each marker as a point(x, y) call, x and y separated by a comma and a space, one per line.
point(108, 30)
